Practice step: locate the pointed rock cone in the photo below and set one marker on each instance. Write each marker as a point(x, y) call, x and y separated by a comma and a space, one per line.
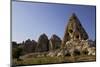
point(54, 42)
point(42, 44)
point(74, 30)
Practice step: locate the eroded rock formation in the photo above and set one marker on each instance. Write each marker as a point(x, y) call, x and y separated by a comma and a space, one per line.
point(43, 43)
point(54, 42)
point(74, 30)
point(29, 46)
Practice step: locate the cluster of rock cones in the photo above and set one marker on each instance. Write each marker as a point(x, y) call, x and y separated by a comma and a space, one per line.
point(75, 41)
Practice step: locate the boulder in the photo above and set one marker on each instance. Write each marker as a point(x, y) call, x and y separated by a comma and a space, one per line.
point(62, 53)
point(51, 54)
point(92, 51)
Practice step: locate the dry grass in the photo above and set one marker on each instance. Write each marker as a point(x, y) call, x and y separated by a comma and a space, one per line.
point(49, 60)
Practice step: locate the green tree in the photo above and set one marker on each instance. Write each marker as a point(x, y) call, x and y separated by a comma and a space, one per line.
point(16, 52)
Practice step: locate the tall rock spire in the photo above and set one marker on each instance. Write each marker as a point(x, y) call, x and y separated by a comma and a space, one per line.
point(74, 30)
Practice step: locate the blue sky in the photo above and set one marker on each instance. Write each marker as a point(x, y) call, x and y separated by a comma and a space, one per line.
point(30, 20)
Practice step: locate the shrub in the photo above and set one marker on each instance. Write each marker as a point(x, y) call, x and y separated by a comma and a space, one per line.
point(16, 52)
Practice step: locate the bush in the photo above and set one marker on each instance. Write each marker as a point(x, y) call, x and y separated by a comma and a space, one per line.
point(16, 52)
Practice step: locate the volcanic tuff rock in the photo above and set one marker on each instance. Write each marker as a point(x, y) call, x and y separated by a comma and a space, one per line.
point(75, 41)
point(80, 46)
point(54, 42)
point(43, 43)
point(29, 46)
point(74, 30)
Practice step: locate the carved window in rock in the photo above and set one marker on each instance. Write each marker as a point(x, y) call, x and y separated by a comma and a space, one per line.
point(77, 35)
point(70, 31)
point(70, 28)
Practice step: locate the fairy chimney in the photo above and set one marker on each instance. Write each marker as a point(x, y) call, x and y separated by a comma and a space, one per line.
point(74, 30)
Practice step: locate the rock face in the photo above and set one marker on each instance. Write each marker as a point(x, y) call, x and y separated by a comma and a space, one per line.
point(73, 46)
point(29, 46)
point(54, 42)
point(80, 46)
point(74, 30)
point(75, 40)
point(43, 43)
